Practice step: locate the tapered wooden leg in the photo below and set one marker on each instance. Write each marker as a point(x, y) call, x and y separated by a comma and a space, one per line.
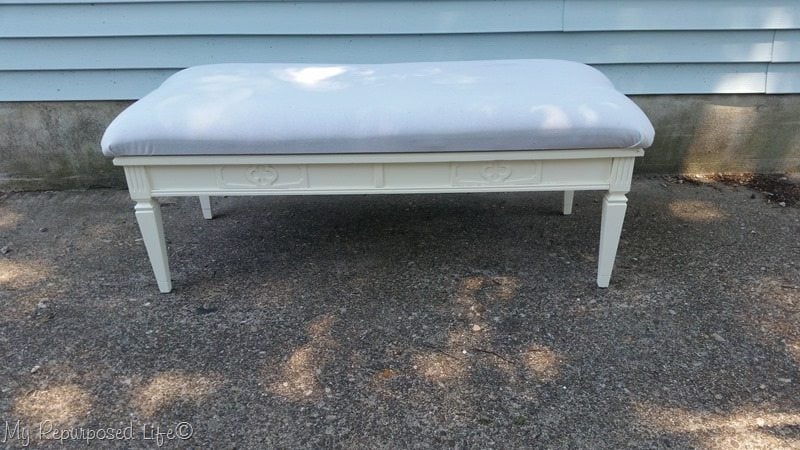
point(569, 198)
point(614, 206)
point(205, 205)
point(148, 214)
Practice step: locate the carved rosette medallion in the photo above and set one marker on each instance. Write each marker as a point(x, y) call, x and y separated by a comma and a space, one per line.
point(496, 173)
point(262, 175)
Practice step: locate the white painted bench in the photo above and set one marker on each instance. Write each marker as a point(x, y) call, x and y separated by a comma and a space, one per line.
point(294, 129)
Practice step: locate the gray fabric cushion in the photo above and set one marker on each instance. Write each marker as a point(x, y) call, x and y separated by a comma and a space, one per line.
point(250, 109)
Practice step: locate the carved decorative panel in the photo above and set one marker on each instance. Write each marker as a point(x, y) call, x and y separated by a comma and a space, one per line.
point(263, 176)
point(496, 173)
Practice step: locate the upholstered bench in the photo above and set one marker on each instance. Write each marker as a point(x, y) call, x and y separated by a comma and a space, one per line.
point(435, 127)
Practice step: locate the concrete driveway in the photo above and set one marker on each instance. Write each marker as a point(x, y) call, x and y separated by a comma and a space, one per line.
point(458, 321)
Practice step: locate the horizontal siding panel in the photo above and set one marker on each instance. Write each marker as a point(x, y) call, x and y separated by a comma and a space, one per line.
point(590, 15)
point(78, 2)
point(687, 78)
point(787, 46)
point(783, 78)
point(628, 78)
point(598, 48)
point(279, 18)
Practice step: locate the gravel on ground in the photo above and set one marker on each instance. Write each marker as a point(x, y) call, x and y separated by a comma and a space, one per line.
point(456, 321)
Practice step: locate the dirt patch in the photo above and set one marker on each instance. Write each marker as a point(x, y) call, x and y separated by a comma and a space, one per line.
point(778, 188)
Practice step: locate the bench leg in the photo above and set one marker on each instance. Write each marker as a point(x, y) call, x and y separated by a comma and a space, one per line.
point(614, 206)
point(569, 198)
point(205, 205)
point(148, 214)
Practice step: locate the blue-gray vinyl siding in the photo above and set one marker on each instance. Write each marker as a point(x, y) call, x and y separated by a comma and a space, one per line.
point(106, 49)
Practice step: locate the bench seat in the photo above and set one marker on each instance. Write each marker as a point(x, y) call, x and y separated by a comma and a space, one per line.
point(437, 127)
point(257, 109)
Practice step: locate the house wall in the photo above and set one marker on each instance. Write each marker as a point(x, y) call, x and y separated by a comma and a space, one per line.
point(733, 62)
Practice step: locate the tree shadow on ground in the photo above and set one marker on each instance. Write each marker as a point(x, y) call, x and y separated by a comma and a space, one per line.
point(390, 321)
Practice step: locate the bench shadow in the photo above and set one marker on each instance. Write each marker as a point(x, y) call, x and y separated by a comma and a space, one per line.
point(260, 237)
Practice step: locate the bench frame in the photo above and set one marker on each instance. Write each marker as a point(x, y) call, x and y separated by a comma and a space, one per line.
point(150, 177)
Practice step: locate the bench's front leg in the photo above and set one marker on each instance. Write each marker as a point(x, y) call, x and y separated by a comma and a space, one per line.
point(148, 214)
point(614, 205)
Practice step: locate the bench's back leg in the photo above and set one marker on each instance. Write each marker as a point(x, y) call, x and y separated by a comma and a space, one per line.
point(205, 205)
point(569, 199)
point(148, 214)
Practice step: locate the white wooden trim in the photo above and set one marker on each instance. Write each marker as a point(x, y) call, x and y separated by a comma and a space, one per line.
point(384, 173)
point(351, 158)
